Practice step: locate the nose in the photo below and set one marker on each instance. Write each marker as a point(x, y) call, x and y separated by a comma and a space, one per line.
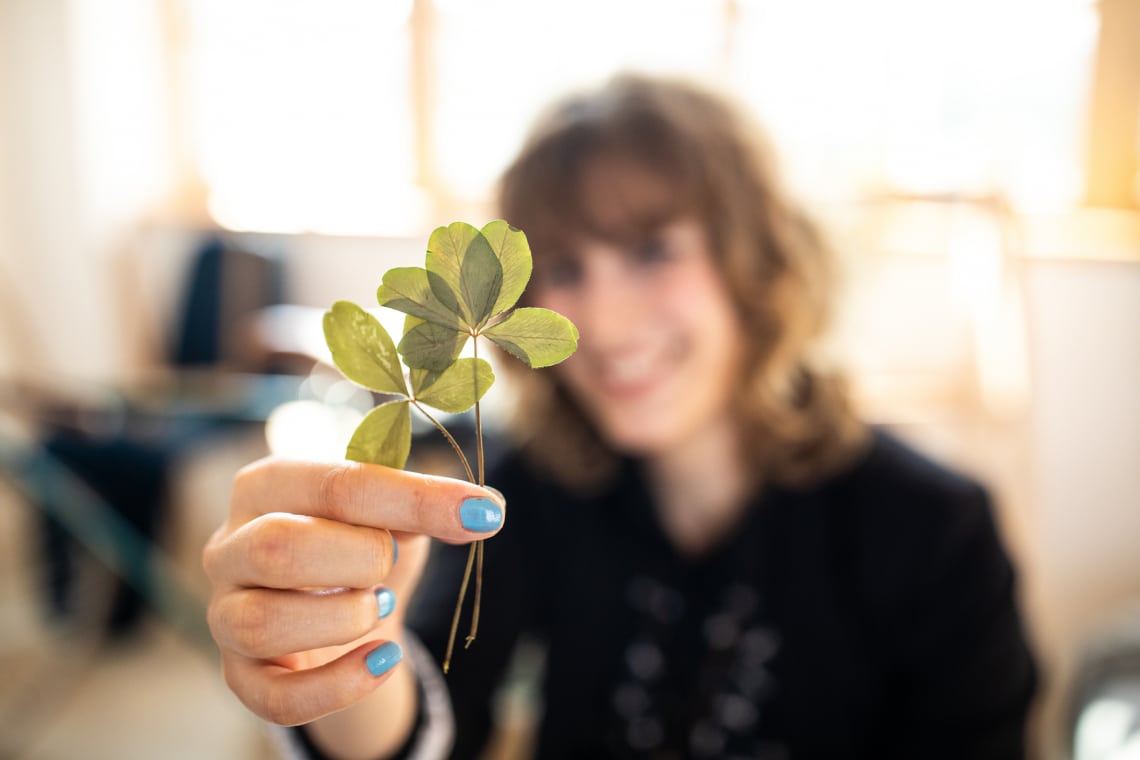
point(610, 308)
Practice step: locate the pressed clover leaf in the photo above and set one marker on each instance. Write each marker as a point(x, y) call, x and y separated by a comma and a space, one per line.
point(540, 337)
point(420, 293)
point(362, 349)
point(431, 346)
point(457, 388)
point(509, 244)
point(384, 436)
point(471, 280)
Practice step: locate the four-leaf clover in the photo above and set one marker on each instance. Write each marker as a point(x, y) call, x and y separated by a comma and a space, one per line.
point(472, 280)
point(467, 290)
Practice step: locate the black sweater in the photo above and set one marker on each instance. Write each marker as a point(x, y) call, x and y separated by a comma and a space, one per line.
point(871, 616)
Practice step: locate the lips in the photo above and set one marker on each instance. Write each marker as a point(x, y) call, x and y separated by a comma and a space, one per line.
point(628, 375)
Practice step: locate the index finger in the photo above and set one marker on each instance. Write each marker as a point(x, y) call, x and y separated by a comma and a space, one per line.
point(370, 495)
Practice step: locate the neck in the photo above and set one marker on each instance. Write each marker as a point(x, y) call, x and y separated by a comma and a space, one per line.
point(701, 487)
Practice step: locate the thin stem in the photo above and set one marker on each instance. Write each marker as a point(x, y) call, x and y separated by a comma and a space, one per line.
point(470, 555)
point(478, 593)
point(454, 444)
point(478, 417)
point(458, 609)
point(479, 458)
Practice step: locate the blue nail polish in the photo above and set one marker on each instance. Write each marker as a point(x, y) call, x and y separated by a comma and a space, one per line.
point(480, 514)
point(385, 602)
point(383, 658)
point(395, 551)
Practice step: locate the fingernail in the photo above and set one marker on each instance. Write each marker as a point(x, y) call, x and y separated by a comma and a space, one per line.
point(383, 658)
point(395, 551)
point(385, 602)
point(480, 514)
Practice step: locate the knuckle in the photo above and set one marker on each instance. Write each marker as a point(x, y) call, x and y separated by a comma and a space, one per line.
point(380, 553)
point(272, 699)
point(283, 707)
point(242, 623)
point(209, 559)
point(215, 620)
point(423, 502)
point(363, 617)
point(250, 691)
point(252, 626)
point(339, 491)
point(272, 548)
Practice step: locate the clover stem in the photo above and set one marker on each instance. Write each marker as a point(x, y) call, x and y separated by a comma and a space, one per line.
point(478, 593)
point(479, 458)
point(475, 553)
point(454, 444)
point(478, 418)
point(458, 609)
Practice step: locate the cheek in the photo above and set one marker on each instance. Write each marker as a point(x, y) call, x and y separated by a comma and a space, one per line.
point(714, 329)
point(574, 374)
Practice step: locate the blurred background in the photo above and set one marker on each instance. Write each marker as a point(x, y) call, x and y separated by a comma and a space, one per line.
point(185, 185)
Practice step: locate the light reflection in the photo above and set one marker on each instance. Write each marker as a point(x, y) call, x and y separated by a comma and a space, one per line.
point(1108, 729)
point(311, 430)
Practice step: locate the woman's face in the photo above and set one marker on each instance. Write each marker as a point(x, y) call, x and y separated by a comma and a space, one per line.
point(661, 344)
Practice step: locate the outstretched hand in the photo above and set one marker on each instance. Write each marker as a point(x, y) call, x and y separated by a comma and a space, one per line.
point(308, 596)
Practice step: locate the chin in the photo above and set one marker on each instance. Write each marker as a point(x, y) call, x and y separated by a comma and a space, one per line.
point(637, 440)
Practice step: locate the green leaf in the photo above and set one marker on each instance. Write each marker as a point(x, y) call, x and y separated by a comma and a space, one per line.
point(362, 349)
point(445, 251)
point(540, 337)
point(464, 260)
point(420, 293)
point(384, 436)
point(457, 388)
point(480, 279)
point(510, 245)
point(431, 346)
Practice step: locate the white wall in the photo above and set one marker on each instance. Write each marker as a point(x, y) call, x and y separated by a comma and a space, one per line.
point(1085, 483)
point(81, 158)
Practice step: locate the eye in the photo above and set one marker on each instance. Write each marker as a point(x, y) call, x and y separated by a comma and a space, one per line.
point(652, 250)
point(560, 272)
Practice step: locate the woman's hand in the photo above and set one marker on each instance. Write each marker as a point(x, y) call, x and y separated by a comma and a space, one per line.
point(304, 573)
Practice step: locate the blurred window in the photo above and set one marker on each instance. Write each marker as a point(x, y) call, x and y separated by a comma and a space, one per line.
point(301, 115)
point(382, 117)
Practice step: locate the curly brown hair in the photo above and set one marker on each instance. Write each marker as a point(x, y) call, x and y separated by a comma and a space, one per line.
point(796, 418)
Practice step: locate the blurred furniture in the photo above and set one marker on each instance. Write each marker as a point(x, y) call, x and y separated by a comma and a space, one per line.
point(101, 466)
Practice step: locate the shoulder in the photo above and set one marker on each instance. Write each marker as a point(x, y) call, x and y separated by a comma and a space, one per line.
point(903, 521)
point(896, 471)
point(894, 483)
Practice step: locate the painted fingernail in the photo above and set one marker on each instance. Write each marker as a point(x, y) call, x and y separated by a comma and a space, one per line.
point(480, 514)
point(385, 602)
point(395, 551)
point(383, 658)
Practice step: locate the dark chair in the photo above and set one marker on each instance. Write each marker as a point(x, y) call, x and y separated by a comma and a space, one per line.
point(128, 465)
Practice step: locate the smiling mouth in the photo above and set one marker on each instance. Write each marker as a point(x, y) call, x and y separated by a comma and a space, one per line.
point(629, 376)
